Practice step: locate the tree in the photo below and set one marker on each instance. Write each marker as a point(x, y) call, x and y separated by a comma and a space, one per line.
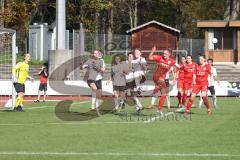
point(16, 14)
point(1, 13)
point(189, 11)
point(232, 10)
point(44, 11)
point(84, 11)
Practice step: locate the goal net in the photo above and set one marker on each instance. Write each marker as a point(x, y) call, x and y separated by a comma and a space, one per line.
point(7, 61)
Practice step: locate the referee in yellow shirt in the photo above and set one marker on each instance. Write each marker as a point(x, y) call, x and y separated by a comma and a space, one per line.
point(21, 74)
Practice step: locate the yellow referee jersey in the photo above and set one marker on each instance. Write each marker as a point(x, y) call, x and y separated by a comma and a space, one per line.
point(20, 71)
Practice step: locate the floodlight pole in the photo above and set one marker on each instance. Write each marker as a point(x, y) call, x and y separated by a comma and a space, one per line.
point(61, 24)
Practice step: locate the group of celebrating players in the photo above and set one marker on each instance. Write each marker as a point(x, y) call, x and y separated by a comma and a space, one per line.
point(127, 77)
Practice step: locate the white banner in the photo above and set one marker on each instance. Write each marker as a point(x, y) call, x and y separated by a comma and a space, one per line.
point(224, 89)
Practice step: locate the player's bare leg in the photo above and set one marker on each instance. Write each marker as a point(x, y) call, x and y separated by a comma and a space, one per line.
point(39, 96)
point(168, 103)
point(180, 96)
point(136, 101)
point(122, 99)
point(164, 92)
point(168, 99)
point(94, 95)
point(44, 96)
point(153, 100)
point(189, 104)
point(200, 100)
point(214, 99)
point(190, 93)
point(153, 97)
point(116, 103)
point(184, 99)
point(99, 95)
point(206, 102)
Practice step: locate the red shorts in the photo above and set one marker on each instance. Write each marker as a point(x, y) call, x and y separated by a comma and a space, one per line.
point(200, 87)
point(180, 84)
point(187, 85)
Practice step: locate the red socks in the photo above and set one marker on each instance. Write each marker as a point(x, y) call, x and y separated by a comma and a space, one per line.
point(184, 99)
point(190, 102)
point(179, 96)
point(161, 102)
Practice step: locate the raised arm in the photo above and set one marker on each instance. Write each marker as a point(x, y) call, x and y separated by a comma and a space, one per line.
point(177, 65)
point(103, 68)
point(151, 56)
point(85, 65)
point(39, 73)
point(215, 77)
point(173, 76)
point(176, 73)
point(45, 72)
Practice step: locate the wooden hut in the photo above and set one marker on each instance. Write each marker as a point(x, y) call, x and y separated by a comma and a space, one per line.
point(152, 33)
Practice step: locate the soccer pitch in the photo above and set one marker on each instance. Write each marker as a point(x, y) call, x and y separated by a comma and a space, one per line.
point(38, 133)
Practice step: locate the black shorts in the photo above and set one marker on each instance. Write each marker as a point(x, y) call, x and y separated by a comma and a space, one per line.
point(119, 88)
point(19, 87)
point(98, 83)
point(43, 87)
point(212, 90)
point(131, 85)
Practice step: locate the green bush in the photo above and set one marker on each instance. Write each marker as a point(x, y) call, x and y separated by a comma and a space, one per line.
point(108, 58)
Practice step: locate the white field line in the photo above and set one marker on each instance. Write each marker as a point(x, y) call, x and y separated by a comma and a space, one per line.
point(28, 100)
point(54, 106)
point(119, 154)
point(72, 123)
point(153, 119)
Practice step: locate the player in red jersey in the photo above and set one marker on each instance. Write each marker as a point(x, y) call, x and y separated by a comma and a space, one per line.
point(203, 70)
point(43, 77)
point(189, 78)
point(164, 63)
point(180, 80)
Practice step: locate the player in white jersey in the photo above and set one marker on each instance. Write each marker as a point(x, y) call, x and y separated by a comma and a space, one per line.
point(139, 68)
point(119, 82)
point(211, 81)
point(154, 96)
point(130, 82)
point(99, 78)
point(96, 67)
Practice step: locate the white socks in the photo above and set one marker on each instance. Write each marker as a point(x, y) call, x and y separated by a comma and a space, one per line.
point(168, 101)
point(116, 104)
point(153, 99)
point(137, 102)
point(97, 102)
point(214, 99)
point(93, 99)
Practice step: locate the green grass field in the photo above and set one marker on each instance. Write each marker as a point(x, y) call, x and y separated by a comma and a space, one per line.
point(38, 133)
